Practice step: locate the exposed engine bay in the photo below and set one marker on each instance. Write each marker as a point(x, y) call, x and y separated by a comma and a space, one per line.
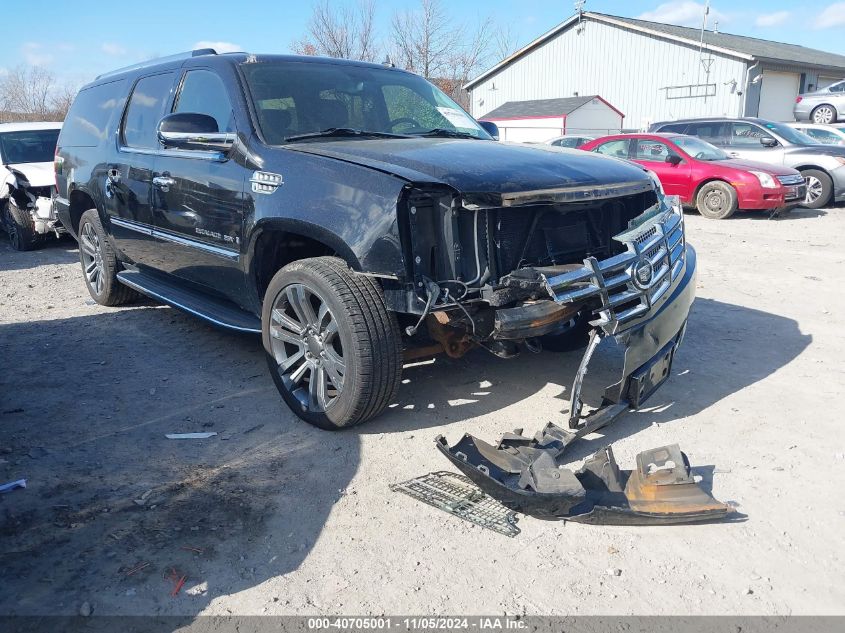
point(579, 265)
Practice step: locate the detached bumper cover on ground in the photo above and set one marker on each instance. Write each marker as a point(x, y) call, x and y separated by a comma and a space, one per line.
point(523, 472)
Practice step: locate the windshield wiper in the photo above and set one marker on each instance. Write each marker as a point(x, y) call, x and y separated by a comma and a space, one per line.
point(442, 131)
point(343, 131)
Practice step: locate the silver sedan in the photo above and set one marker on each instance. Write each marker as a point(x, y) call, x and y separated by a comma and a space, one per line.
point(822, 106)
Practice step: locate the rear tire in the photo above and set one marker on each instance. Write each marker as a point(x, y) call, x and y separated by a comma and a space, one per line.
point(819, 188)
point(19, 226)
point(99, 263)
point(333, 348)
point(825, 114)
point(716, 200)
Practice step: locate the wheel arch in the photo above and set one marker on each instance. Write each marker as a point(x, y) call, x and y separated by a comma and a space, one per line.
point(706, 181)
point(276, 242)
point(79, 201)
point(829, 105)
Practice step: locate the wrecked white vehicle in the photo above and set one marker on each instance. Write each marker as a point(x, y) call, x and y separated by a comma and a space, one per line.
point(27, 182)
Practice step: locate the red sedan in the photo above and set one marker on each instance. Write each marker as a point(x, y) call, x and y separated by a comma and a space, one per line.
point(704, 176)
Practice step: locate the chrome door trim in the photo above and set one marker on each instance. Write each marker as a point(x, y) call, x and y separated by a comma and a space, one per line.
point(176, 239)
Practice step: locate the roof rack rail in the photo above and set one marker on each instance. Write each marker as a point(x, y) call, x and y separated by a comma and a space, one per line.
point(159, 60)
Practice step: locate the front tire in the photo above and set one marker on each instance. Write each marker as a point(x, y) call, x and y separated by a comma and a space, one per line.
point(19, 226)
point(716, 200)
point(333, 348)
point(825, 114)
point(99, 263)
point(819, 188)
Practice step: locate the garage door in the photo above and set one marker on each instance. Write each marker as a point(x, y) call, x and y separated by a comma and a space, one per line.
point(777, 95)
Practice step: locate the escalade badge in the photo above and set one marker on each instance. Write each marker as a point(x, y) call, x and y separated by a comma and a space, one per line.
point(642, 273)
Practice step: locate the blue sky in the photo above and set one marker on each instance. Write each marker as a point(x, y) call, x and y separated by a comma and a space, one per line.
point(78, 40)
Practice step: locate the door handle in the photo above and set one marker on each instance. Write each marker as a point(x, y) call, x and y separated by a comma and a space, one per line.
point(733, 154)
point(164, 183)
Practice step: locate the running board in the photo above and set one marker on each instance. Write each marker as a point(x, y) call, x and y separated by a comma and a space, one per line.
point(216, 311)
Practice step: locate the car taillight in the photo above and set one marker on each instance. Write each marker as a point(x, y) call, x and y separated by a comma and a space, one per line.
point(798, 99)
point(57, 167)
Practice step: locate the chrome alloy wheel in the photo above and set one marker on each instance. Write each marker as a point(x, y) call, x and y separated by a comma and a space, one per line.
point(92, 258)
point(306, 344)
point(814, 189)
point(824, 114)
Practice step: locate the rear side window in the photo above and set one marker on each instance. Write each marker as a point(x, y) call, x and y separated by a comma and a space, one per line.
point(203, 92)
point(709, 131)
point(677, 128)
point(840, 87)
point(146, 107)
point(618, 148)
point(87, 121)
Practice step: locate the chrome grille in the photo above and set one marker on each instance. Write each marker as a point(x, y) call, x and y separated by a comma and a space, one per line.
point(796, 179)
point(659, 240)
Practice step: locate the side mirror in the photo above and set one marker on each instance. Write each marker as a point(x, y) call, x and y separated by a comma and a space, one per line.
point(768, 141)
point(491, 128)
point(674, 159)
point(191, 130)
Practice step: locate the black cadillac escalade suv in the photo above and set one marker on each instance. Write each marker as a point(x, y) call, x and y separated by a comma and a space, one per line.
point(356, 217)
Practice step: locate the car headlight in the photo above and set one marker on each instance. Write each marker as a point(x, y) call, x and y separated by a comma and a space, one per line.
point(655, 180)
point(766, 180)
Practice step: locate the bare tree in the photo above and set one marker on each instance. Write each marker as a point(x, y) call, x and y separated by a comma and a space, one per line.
point(347, 32)
point(426, 41)
point(505, 42)
point(27, 90)
point(32, 93)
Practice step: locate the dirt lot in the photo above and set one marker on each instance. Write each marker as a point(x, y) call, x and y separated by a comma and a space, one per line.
point(273, 516)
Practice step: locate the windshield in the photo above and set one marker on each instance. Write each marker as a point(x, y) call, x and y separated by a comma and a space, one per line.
point(701, 150)
point(28, 146)
point(789, 134)
point(303, 98)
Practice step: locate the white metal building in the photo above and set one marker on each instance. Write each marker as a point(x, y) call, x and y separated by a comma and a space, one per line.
point(541, 119)
point(655, 71)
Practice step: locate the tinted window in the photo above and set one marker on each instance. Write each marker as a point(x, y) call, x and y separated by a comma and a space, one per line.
point(674, 127)
point(840, 87)
point(618, 148)
point(746, 134)
point(146, 107)
point(28, 146)
point(87, 121)
point(203, 92)
point(293, 98)
point(709, 131)
point(647, 149)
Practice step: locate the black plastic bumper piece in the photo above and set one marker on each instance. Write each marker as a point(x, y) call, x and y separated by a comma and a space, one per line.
point(527, 479)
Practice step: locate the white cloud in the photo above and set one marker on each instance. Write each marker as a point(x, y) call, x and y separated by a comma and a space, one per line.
point(35, 55)
point(772, 19)
point(833, 15)
point(220, 47)
point(112, 49)
point(686, 13)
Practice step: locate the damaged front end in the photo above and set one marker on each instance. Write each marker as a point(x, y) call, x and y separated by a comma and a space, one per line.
point(523, 268)
point(27, 208)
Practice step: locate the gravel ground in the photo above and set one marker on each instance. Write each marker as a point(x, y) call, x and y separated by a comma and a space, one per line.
point(272, 516)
